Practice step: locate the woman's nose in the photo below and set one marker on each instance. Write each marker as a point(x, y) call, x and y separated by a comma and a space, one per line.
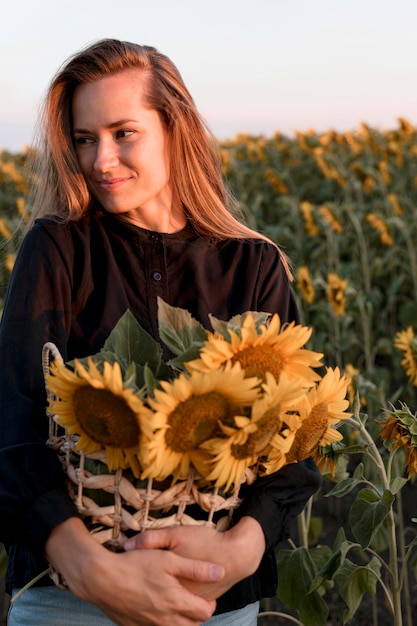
point(106, 155)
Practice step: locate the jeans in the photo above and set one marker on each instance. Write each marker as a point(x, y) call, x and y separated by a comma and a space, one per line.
point(50, 606)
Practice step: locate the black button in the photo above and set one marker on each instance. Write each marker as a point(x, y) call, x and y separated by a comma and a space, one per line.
point(154, 238)
point(157, 276)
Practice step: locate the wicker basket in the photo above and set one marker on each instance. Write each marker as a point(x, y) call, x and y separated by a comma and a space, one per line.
point(130, 506)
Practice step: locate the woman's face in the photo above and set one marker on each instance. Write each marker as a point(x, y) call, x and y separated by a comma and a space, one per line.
point(121, 146)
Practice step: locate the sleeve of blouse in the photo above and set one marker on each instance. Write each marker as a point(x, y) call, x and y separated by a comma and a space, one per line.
point(33, 498)
point(275, 500)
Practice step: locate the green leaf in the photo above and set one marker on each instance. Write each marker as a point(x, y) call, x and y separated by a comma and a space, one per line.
point(149, 379)
point(367, 513)
point(355, 449)
point(336, 560)
point(358, 474)
point(345, 486)
point(132, 343)
point(178, 329)
point(327, 571)
point(340, 539)
point(297, 571)
point(397, 484)
point(193, 352)
point(354, 581)
point(380, 538)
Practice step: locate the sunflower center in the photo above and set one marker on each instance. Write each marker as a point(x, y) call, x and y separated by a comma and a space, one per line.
point(309, 434)
point(107, 419)
point(256, 360)
point(269, 424)
point(195, 420)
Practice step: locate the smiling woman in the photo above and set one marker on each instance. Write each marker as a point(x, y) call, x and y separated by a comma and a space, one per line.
point(130, 207)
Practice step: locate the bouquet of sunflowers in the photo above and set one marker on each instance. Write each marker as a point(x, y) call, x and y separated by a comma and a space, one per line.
point(144, 439)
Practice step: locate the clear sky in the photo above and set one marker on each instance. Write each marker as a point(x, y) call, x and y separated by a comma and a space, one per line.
point(254, 66)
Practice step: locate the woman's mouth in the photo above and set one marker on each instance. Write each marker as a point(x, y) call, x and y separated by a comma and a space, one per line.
point(110, 184)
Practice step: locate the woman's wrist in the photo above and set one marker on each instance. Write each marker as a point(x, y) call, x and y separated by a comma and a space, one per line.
point(67, 548)
point(247, 543)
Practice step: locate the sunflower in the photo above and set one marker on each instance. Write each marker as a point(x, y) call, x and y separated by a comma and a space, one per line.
point(186, 412)
point(325, 463)
point(336, 296)
point(305, 284)
point(393, 200)
point(307, 211)
point(331, 460)
point(400, 430)
point(407, 342)
point(231, 454)
point(97, 407)
point(378, 224)
point(261, 349)
point(240, 446)
point(276, 182)
point(320, 410)
point(351, 372)
point(330, 219)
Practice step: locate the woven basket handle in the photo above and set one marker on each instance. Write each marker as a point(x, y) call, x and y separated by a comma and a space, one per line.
point(49, 353)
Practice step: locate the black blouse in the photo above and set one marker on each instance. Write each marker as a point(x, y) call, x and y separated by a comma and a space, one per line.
point(70, 285)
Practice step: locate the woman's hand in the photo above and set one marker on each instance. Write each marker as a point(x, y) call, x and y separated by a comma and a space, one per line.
point(132, 588)
point(238, 550)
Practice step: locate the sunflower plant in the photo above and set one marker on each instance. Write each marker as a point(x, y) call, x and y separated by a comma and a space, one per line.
point(373, 552)
point(232, 403)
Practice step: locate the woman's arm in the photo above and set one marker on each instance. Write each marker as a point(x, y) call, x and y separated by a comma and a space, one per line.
point(33, 497)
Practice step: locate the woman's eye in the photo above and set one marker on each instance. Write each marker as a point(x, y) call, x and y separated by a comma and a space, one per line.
point(121, 134)
point(83, 140)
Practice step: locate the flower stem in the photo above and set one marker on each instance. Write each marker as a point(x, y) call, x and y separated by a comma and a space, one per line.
point(302, 529)
point(366, 329)
point(412, 258)
point(363, 250)
point(372, 450)
point(393, 551)
point(392, 538)
point(403, 583)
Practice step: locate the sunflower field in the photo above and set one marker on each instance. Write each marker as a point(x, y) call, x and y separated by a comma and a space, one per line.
point(343, 207)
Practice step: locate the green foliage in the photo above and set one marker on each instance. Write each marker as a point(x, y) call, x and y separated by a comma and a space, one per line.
point(375, 552)
point(368, 513)
point(297, 571)
point(354, 581)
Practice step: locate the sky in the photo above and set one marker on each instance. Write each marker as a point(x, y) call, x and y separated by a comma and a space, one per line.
point(252, 66)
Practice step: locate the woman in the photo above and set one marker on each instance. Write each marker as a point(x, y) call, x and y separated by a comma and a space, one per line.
point(130, 205)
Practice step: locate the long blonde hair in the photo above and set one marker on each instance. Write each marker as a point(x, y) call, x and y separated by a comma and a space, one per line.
point(61, 190)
